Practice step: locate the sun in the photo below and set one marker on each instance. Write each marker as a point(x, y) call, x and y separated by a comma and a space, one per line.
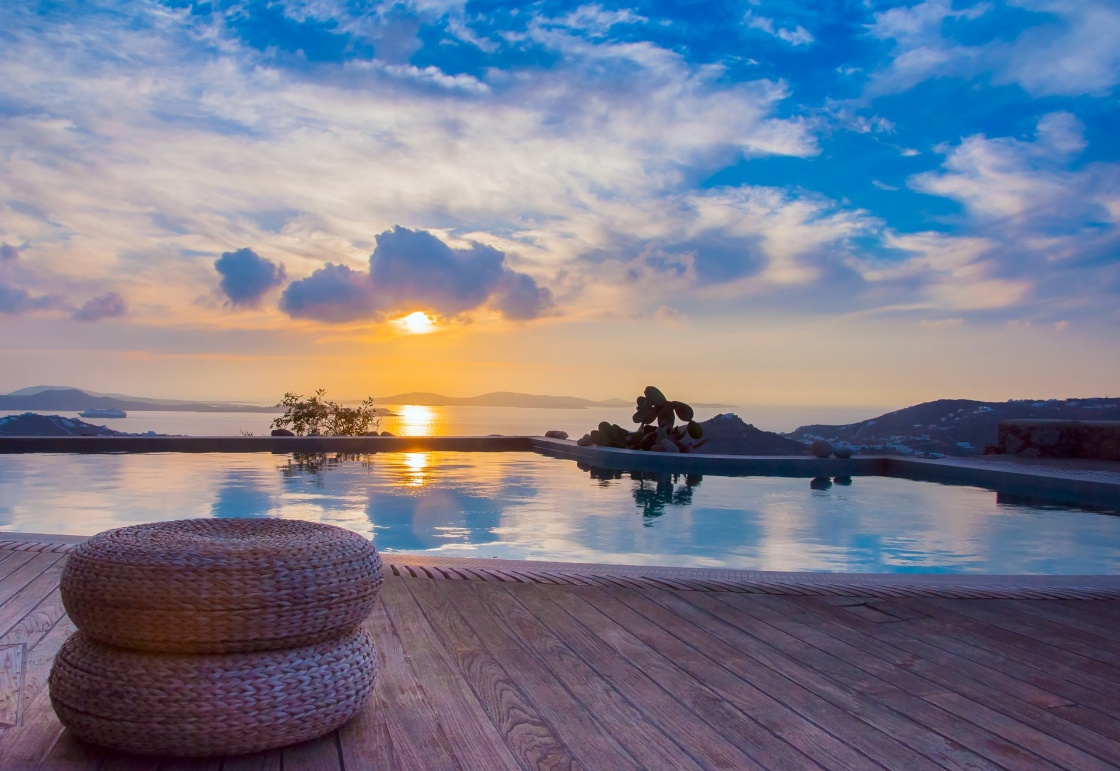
point(418, 323)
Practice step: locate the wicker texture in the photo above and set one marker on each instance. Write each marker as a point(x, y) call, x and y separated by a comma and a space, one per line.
point(222, 704)
point(221, 585)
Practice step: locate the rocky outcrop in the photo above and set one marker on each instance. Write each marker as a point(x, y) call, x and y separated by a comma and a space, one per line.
point(729, 435)
point(1099, 440)
point(33, 424)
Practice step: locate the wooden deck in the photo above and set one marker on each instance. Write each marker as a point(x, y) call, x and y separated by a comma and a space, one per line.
point(497, 674)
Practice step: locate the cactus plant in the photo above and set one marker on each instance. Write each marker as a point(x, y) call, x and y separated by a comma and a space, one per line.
point(658, 430)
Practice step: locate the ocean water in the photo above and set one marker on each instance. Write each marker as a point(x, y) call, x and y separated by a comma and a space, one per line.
point(531, 507)
point(416, 420)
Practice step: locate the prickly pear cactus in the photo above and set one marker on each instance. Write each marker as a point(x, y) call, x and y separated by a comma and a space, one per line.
point(658, 430)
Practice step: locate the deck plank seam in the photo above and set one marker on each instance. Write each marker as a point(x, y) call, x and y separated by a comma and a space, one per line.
point(774, 587)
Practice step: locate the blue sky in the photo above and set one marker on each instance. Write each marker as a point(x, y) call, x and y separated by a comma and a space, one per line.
point(244, 189)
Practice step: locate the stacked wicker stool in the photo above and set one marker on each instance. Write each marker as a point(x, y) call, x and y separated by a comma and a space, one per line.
point(216, 636)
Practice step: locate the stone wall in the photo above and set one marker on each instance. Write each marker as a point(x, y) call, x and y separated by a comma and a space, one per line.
point(1058, 439)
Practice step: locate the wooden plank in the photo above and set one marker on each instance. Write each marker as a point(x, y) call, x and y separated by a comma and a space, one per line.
point(1087, 717)
point(261, 761)
point(1031, 630)
point(191, 764)
point(27, 586)
point(940, 657)
point(316, 755)
point(1046, 746)
point(812, 740)
point(1104, 628)
point(525, 732)
point(365, 741)
point(1071, 675)
point(70, 749)
point(917, 732)
point(619, 717)
point(752, 738)
point(567, 692)
point(962, 682)
point(417, 737)
point(13, 561)
point(471, 730)
point(703, 742)
point(39, 728)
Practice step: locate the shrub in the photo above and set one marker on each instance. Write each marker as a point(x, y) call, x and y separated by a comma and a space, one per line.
point(316, 415)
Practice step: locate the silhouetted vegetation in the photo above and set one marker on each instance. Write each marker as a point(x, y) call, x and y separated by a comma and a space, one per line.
point(316, 416)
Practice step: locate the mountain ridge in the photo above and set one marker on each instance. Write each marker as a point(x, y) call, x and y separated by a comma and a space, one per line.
point(959, 427)
point(71, 398)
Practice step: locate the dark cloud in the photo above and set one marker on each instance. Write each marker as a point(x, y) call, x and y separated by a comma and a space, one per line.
point(14, 300)
point(8, 252)
point(413, 270)
point(246, 276)
point(519, 298)
point(106, 306)
point(334, 293)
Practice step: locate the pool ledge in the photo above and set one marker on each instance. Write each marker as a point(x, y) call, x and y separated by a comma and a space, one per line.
point(850, 585)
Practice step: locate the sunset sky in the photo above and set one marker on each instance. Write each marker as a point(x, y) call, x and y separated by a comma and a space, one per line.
point(829, 203)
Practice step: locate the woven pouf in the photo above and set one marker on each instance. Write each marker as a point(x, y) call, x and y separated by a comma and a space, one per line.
point(221, 585)
point(221, 704)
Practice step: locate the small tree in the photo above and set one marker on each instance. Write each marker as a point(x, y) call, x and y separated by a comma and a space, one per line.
point(316, 415)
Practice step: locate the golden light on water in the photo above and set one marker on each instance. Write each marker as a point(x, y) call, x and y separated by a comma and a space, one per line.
point(415, 463)
point(416, 420)
point(417, 323)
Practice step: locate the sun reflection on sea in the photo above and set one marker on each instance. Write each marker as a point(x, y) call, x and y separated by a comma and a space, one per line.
point(416, 420)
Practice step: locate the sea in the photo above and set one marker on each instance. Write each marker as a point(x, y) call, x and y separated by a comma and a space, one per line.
point(420, 420)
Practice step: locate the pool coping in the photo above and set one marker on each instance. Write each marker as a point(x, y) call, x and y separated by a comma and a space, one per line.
point(687, 579)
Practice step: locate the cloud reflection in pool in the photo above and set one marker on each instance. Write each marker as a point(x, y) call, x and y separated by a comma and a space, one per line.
point(525, 506)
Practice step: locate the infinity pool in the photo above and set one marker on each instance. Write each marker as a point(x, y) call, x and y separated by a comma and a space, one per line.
point(527, 506)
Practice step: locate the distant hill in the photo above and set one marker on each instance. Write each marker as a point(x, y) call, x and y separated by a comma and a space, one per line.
point(954, 426)
point(73, 399)
point(69, 398)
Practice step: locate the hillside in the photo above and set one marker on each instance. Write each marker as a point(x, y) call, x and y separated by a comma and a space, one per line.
point(73, 399)
point(729, 435)
point(953, 426)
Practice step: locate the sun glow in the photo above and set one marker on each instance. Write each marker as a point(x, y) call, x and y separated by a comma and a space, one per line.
point(417, 323)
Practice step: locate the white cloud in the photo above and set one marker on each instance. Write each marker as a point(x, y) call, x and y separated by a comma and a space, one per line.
point(795, 36)
point(1072, 51)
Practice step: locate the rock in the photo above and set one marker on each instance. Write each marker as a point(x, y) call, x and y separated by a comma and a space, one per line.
point(821, 449)
point(728, 434)
point(820, 483)
point(842, 481)
point(584, 441)
point(556, 434)
point(843, 451)
point(387, 433)
point(371, 433)
point(281, 432)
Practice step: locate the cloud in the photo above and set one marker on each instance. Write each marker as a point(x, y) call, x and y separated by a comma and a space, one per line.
point(796, 36)
point(413, 270)
point(14, 300)
point(8, 252)
point(333, 293)
point(246, 276)
point(106, 306)
point(1063, 47)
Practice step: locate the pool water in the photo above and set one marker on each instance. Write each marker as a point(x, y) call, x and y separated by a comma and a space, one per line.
point(527, 506)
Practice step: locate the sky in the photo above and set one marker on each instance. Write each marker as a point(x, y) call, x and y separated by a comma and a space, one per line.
point(797, 203)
